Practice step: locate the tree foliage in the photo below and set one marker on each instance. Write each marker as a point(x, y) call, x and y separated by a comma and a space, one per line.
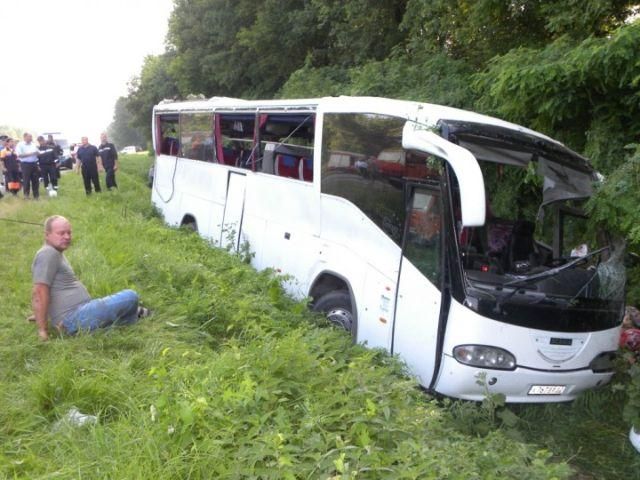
point(584, 93)
point(13, 131)
point(568, 68)
point(154, 83)
point(120, 131)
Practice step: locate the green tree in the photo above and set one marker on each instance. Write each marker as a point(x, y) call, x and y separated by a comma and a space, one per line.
point(478, 30)
point(152, 85)
point(585, 93)
point(250, 48)
point(13, 131)
point(120, 130)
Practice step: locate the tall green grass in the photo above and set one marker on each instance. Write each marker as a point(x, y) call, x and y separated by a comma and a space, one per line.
point(228, 379)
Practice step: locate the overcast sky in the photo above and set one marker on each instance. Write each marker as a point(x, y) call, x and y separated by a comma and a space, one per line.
point(65, 62)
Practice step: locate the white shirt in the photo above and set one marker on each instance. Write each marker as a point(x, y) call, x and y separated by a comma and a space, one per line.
point(29, 148)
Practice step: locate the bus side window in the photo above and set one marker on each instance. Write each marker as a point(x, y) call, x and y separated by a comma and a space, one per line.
point(234, 138)
point(351, 168)
point(423, 243)
point(286, 145)
point(196, 134)
point(167, 138)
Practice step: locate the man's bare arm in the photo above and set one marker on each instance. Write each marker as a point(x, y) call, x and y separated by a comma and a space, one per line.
point(40, 304)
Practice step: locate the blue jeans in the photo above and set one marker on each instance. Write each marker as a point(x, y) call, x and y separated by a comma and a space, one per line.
point(118, 309)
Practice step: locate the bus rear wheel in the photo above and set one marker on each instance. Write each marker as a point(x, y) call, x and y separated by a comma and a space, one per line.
point(337, 308)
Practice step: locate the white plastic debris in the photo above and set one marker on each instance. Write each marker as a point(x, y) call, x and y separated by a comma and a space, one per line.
point(76, 418)
point(634, 438)
point(581, 250)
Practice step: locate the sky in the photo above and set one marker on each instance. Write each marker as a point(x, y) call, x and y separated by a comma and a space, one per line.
point(67, 61)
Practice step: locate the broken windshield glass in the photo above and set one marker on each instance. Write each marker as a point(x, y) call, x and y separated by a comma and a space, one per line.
point(563, 183)
point(536, 261)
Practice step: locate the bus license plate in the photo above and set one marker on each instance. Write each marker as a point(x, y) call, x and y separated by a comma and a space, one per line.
point(547, 390)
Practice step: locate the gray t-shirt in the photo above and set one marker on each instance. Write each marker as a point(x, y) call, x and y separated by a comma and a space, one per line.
point(66, 293)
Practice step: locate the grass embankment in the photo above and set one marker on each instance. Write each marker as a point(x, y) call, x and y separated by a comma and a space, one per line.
point(228, 379)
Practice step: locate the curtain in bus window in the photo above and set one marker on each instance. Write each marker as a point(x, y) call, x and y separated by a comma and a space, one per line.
point(196, 136)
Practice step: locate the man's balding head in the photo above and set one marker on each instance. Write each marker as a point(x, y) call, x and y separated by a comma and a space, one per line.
point(57, 232)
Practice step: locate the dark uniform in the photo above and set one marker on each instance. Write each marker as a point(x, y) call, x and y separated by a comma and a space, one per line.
point(58, 152)
point(109, 155)
point(87, 156)
point(47, 159)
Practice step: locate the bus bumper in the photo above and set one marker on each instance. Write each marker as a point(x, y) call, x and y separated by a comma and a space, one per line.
point(521, 385)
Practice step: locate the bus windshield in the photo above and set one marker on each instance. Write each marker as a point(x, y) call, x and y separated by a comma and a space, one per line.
point(536, 262)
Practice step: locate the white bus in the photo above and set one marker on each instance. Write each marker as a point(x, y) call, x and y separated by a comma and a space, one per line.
point(451, 239)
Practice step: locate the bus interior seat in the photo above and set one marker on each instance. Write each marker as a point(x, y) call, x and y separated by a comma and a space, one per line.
point(229, 156)
point(170, 146)
point(306, 167)
point(522, 247)
point(268, 164)
point(287, 166)
point(487, 245)
point(498, 236)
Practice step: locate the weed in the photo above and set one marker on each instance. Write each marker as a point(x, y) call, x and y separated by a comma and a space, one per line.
point(230, 378)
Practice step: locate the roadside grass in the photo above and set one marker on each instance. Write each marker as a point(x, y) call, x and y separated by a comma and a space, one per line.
point(589, 433)
point(229, 378)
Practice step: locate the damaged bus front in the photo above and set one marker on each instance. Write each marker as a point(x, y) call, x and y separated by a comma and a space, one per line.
point(537, 292)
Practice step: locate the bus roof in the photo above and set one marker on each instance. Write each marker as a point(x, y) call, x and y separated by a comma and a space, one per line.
point(428, 113)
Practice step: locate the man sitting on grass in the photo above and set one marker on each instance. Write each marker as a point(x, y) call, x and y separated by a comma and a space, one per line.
point(59, 295)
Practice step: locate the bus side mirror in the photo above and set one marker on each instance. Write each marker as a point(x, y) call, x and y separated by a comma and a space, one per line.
point(463, 163)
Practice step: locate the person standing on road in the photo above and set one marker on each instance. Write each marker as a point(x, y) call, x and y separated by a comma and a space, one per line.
point(109, 157)
point(27, 153)
point(87, 155)
point(47, 159)
point(58, 296)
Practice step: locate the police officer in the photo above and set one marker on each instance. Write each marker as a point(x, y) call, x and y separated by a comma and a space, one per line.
point(47, 159)
point(109, 157)
point(88, 157)
point(58, 151)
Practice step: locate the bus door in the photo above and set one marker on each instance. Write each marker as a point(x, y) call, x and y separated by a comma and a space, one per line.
point(419, 292)
point(233, 210)
point(421, 307)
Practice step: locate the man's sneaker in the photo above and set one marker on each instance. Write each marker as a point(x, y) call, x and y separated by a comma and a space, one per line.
point(143, 312)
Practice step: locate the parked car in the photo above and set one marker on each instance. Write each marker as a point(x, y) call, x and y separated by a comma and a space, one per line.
point(130, 149)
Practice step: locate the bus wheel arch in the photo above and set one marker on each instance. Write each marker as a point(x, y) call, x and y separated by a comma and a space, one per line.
point(189, 223)
point(333, 296)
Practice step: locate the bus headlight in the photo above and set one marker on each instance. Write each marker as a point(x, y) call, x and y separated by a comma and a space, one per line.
point(484, 357)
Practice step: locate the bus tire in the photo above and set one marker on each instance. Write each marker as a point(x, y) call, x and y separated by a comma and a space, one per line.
point(337, 308)
point(189, 225)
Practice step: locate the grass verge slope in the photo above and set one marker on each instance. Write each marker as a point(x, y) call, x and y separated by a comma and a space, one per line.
point(228, 379)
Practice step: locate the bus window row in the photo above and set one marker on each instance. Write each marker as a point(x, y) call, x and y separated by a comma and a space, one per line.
point(273, 143)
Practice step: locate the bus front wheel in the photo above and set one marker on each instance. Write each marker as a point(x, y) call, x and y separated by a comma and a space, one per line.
point(337, 307)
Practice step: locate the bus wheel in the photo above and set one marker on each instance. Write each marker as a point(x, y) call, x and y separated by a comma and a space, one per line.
point(337, 308)
point(190, 227)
